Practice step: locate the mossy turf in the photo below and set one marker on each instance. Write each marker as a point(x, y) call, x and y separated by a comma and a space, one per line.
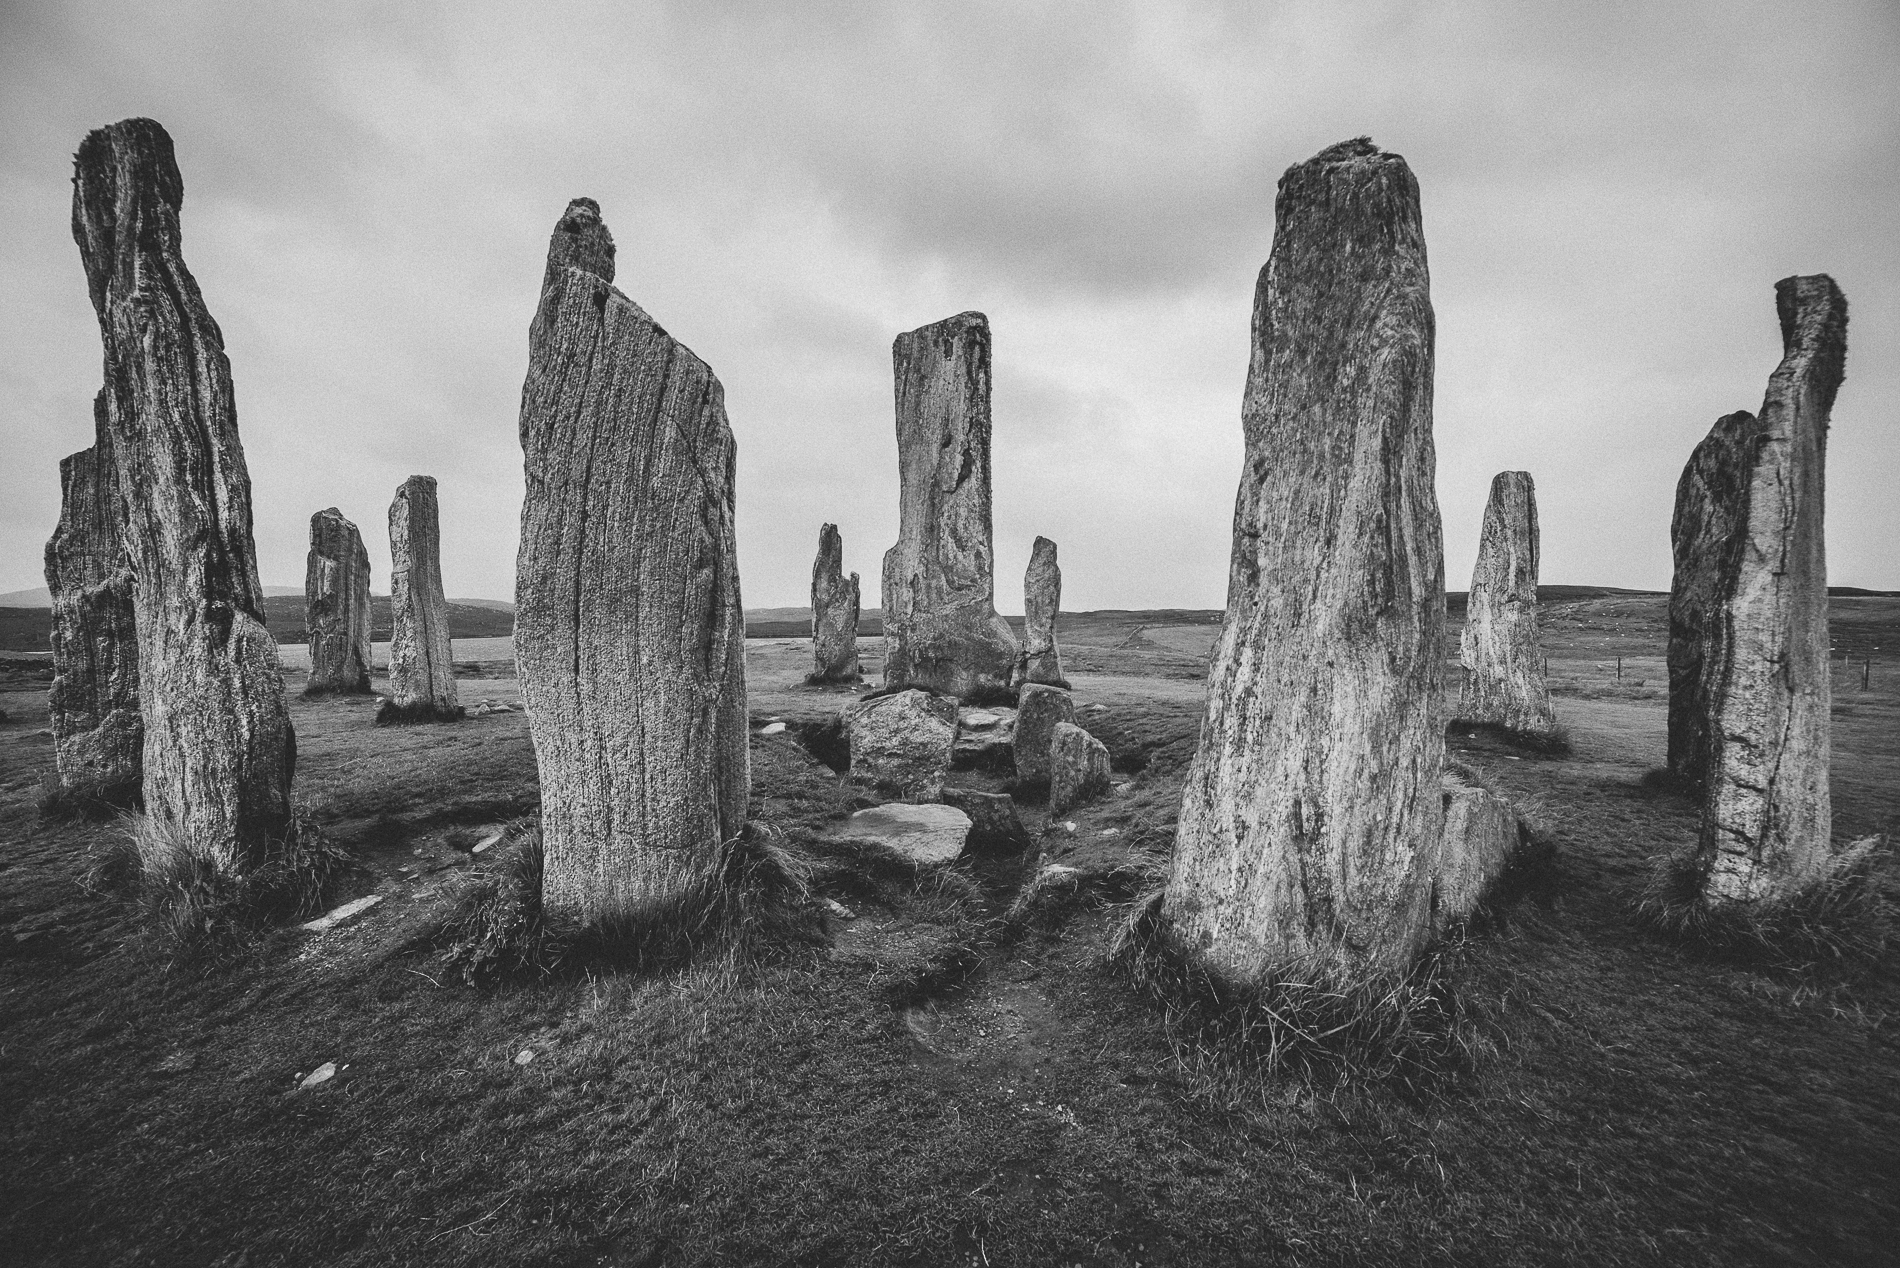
point(940, 1083)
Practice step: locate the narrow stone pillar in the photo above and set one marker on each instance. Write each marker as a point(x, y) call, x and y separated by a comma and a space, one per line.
point(421, 673)
point(336, 606)
point(941, 630)
point(834, 613)
point(98, 734)
point(1042, 599)
point(218, 743)
point(1706, 537)
point(629, 632)
point(1504, 682)
point(1766, 816)
point(1312, 815)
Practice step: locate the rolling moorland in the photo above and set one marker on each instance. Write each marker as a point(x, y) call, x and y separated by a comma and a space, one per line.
point(940, 1082)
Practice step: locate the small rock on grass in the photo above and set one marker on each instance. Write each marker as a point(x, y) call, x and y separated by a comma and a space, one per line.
point(837, 909)
point(918, 834)
point(525, 1056)
point(322, 1074)
point(177, 1063)
point(771, 728)
point(348, 911)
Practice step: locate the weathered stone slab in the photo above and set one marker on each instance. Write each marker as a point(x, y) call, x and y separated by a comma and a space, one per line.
point(995, 824)
point(920, 835)
point(630, 638)
point(98, 733)
point(941, 630)
point(421, 673)
point(219, 749)
point(341, 915)
point(1504, 683)
point(1042, 599)
point(834, 613)
point(1039, 709)
point(1767, 817)
point(336, 606)
point(902, 743)
point(1481, 838)
point(1078, 768)
point(1310, 823)
point(986, 739)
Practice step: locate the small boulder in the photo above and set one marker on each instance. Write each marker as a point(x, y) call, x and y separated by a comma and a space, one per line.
point(995, 826)
point(322, 1074)
point(919, 835)
point(1482, 835)
point(348, 911)
point(902, 743)
point(985, 739)
point(1078, 768)
point(1039, 708)
point(772, 728)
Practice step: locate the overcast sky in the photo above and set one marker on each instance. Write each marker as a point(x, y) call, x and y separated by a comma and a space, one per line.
point(1610, 193)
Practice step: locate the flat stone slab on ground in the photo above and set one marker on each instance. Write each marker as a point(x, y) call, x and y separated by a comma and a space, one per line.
point(348, 911)
point(919, 834)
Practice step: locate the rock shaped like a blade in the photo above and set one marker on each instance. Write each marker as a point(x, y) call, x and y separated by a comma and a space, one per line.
point(1078, 768)
point(336, 606)
point(1504, 683)
point(218, 744)
point(941, 630)
point(1766, 815)
point(1311, 818)
point(1040, 708)
point(834, 613)
point(629, 634)
point(421, 673)
point(903, 743)
point(98, 734)
point(1042, 599)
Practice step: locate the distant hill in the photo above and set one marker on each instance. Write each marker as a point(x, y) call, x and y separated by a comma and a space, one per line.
point(30, 629)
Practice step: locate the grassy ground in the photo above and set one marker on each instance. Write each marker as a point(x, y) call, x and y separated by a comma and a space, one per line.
point(933, 1087)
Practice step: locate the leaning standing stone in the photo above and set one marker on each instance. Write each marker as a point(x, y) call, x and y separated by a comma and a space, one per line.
point(336, 606)
point(218, 744)
point(834, 613)
point(941, 630)
point(1040, 709)
point(98, 734)
point(629, 635)
point(1042, 599)
point(1766, 815)
point(1311, 819)
point(421, 675)
point(1503, 661)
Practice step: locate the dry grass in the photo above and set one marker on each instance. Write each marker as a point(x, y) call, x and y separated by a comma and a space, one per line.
point(94, 800)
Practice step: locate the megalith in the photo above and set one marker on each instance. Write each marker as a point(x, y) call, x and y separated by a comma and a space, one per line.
point(421, 673)
point(629, 634)
point(98, 734)
point(1766, 813)
point(218, 750)
point(1042, 599)
point(941, 630)
point(1040, 709)
point(1078, 768)
point(834, 613)
point(1504, 684)
point(336, 606)
point(1706, 537)
point(1312, 815)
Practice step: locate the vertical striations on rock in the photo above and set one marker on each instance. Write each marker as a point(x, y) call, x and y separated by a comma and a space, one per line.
point(941, 630)
point(1706, 536)
point(98, 734)
point(1042, 599)
point(630, 638)
point(336, 606)
point(834, 613)
point(1311, 819)
point(218, 743)
point(1766, 814)
point(421, 673)
point(1504, 682)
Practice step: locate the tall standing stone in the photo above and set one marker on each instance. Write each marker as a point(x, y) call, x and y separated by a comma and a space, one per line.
point(1706, 535)
point(1311, 819)
point(834, 613)
point(336, 606)
point(1503, 661)
point(941, 630)
point(630, 638)
point(1766, 814)
point(1042, 599)
point(98, 734)
point(421, 673)
point(218, 743)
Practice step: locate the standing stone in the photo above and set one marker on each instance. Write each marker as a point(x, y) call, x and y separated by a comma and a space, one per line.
point(1039, 710)
point(1766, 814)
point(1504, 664)
point(421, 675)
point(1311, 819)
point(630, 638)
point(941, 630)
point(336, 606)
point(834, 613)
point(218, 743)
point(1042, 599)
point(1707, 536)
point(903, 743)
point(98, 734)
point(1078, 768)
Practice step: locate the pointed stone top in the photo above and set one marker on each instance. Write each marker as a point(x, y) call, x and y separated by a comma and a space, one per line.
point(1042, 544)
point(581, 241)
point(127, 191)
point(1344, 151)
point(1813, 314)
